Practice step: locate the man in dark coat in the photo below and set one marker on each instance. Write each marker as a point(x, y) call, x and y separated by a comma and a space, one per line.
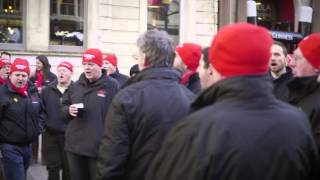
point(110, 64)
point(279, 72)
point(56, 124)
point(143, 112)
point(21, 120)
point(240, 131)
point(304, 89)
point(187, 62)
point(86, 104)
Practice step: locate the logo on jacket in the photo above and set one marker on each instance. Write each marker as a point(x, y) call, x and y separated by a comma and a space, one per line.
point(101, 93)
point(34, 100)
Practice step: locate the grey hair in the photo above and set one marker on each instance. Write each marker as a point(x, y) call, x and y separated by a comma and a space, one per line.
point(158, 48)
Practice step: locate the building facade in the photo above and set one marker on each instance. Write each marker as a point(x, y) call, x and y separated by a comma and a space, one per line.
point(63, 29)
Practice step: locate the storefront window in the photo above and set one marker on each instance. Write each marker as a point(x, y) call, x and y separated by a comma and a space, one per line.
point(66, 22)
point(164, 15)
point(276, 15)
point(11, 23)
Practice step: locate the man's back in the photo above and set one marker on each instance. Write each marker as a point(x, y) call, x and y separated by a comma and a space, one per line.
point(245, 134)
point(140, 117)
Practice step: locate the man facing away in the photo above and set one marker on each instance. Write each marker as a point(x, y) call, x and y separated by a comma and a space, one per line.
point(240, 130)
point(143, 112)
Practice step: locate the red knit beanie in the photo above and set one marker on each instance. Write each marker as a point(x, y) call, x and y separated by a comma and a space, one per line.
point(92, 55)
point(241, 49)
point(190, 54)
point(111, 58)
point(310, 48)
point(20, 65)
point(4, 62)
point(66, 65)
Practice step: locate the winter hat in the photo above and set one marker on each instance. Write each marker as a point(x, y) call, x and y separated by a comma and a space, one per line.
point(241, 49)
point(20, 64)
point(66, 65)
point(92, 55)
point(4, 62)
point(310, 48)
point(190, 54)
point(111, 58)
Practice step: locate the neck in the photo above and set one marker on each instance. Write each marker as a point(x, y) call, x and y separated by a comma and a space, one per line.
point(64, 84)
point(276, 75)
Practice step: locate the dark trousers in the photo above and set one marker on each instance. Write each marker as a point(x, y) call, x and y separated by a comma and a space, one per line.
point(15, 161)
point(55, 156)
point(82, 167)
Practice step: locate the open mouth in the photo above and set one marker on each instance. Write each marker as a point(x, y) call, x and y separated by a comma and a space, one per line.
point(273, 64)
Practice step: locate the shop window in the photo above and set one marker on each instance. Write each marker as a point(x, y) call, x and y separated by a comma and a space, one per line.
point(164, 15)
point(276, 15)
point(66, 22)
point(11, 21)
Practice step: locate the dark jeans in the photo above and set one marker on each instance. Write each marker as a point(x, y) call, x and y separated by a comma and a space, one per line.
point(82, 167)
point(55, 156)
point(15, 161)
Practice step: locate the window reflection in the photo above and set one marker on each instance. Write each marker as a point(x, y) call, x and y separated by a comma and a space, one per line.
point(66, 22)
point(164, 15)
point(11, 22)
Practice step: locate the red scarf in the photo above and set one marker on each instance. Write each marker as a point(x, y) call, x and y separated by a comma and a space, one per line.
point(185, 78)
point(22, 91)
point(2, 81)
point(39, 79)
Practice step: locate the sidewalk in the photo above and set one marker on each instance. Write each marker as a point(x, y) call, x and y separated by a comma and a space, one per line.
point(37, 172)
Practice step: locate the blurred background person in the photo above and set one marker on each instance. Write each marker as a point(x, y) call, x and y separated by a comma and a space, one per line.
point(6, 55)
point(4, 70)
point(56, 124)
point(187, 62)
point(110, 64)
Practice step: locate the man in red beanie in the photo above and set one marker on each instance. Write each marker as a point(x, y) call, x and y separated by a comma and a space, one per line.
point(53, 138)
point(187, 62)
point(304, 89)
point(85, 104)
point(22, 115)
point(4, 70)
point(239, 130)
point(110, 64)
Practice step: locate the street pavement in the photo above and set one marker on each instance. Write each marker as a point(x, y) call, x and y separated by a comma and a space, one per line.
point(37, 172)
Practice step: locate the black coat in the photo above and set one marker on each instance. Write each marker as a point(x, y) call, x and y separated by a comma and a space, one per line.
point(305, 94)
point(139, 119)
point(51, 97)
point(84, 132)
point(121, 78)
point(240, 132)
point(45, 82)
point(194, 83)
point(280, 85)
point(21, 118)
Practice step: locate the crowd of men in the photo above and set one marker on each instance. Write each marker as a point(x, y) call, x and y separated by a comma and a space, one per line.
point(231, 111)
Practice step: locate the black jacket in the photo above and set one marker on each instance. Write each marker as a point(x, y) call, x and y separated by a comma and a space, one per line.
point(140, 117)
point(305, 94)
point(45, 82)
point(121, 78)
point(51, 97)
point(240, 132)
point(84, 132)
point(21, 118)
point(194, 83)
point(280, 85)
